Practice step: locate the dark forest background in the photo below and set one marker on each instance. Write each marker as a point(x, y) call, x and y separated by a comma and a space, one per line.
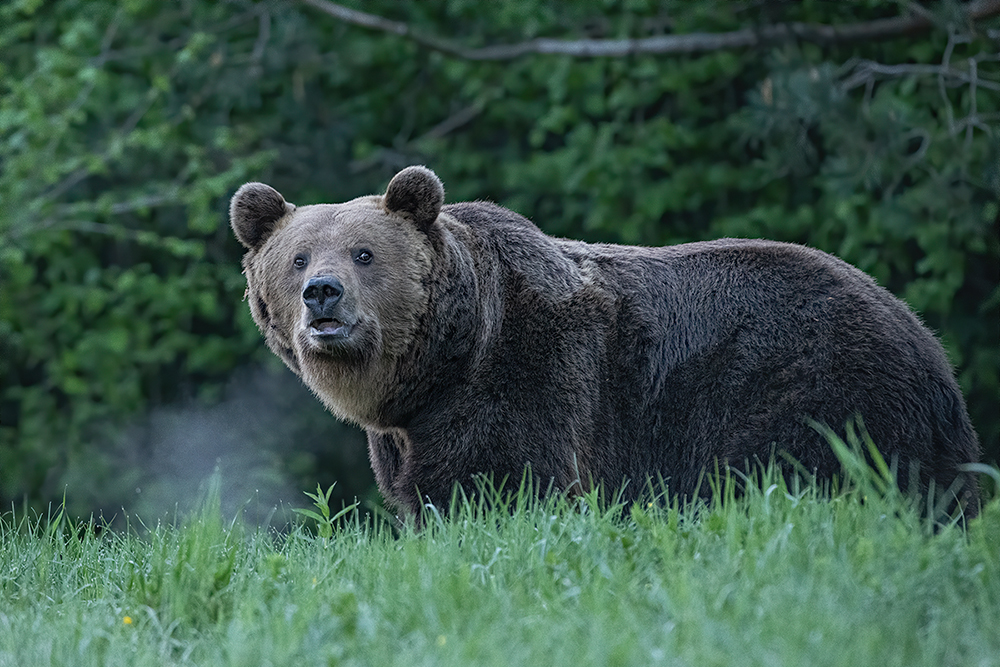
point(129, 365)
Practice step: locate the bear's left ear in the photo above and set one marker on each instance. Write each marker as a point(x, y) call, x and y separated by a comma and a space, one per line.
point(254, 211)
point(417, 193)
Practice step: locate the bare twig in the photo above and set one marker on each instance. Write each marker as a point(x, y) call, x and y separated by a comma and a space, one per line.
point(263, 35)
point(662, 44)
point(384, 156)
point(130, 123)
point(143, 237)
point(857, 72)
point(87, 89)
point(453, 122)
point(865, 70)
point(170, 196)
point(973, 82)
point(61, 218)
point(91, 227)
point(911, 162)
point(397, 157)
point(946, 63)
point(153, 46)
point(78, 175)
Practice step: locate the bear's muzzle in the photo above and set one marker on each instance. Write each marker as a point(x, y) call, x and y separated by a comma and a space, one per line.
point(321, 297)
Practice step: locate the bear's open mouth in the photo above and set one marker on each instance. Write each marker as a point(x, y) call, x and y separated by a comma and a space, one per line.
point(326, 327)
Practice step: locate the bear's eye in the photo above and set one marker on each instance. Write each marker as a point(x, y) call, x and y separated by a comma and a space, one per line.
point(300, 261)
point(363, 256)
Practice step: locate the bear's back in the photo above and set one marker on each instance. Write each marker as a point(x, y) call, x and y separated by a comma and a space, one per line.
point(708, 350)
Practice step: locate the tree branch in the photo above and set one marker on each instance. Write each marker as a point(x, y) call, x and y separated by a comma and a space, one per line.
point(865, 70)
point(263, 35)
point(61, 188)
point(397, 158)
point(898, 26)
point(169, 197)
point(62, 217)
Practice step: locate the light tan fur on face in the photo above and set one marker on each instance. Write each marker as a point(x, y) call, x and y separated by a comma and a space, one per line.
point(387, 298)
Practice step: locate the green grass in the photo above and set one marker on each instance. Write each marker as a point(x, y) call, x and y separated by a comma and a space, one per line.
point(776, 577)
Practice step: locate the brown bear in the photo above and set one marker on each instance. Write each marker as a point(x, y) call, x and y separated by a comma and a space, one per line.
point(466, 341)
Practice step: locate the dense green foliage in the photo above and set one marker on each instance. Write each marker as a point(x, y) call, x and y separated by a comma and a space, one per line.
point(779, 577)
point(124, 128)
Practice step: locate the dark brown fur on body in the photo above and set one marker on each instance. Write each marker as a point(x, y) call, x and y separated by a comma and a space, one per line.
point(471, 343)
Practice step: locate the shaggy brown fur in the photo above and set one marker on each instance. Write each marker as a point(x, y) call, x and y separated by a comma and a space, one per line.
point(465, 341)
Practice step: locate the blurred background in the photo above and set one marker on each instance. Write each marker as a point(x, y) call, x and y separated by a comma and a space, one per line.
point(130, 368)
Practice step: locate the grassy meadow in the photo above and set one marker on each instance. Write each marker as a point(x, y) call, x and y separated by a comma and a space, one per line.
point(772, 576)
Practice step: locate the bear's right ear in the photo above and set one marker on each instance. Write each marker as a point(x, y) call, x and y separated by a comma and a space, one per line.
point(253, 212)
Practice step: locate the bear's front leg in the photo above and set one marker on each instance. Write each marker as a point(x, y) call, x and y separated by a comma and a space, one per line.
point(385, 451)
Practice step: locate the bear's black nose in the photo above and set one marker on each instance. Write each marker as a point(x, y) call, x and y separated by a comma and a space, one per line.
point(321, 294)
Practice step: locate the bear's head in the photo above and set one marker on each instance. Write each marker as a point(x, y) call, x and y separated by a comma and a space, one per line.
point(339, 290)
